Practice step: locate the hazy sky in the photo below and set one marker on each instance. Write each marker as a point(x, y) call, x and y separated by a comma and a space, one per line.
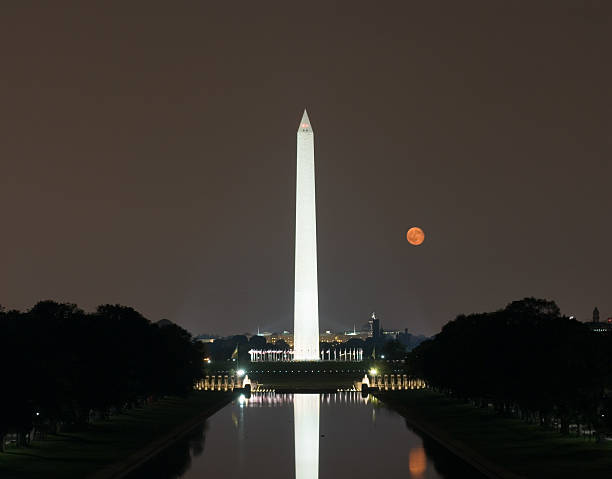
point(147, 157)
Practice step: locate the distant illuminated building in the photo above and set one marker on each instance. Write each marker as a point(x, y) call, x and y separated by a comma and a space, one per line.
point(262, 333)
point(205, 338)
point(375, 329)
point(327, 336)
point(597, 326)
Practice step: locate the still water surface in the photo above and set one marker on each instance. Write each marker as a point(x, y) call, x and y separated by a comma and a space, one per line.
point(305, 436)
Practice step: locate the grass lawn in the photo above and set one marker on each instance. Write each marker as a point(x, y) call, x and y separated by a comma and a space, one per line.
point(78, 454)
point(524, 449)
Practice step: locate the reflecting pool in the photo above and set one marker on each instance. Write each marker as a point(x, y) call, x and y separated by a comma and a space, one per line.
point(305, 436)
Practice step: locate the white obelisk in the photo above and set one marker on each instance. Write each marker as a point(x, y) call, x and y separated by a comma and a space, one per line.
point(306, 301)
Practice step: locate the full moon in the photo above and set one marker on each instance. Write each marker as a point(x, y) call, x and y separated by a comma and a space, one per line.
point(415, 236)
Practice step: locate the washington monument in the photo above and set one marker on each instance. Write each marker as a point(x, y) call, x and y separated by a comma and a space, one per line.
point(306, 301)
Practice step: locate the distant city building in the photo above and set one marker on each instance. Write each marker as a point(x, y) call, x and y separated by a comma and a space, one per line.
point(375, 327)
point(324, 336)
point(601, 327)
point(284, 336)
point(405, 338)
point(263, 333)
point(391, 334)
point(354, 334)
point(410, 341)
point(597, 326)
point(206, 338)
point(371, 330)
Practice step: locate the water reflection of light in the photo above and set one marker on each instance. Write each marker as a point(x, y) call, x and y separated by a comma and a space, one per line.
point(268, 399)
point(417, 461)
point(242, 399)
point(306, 418)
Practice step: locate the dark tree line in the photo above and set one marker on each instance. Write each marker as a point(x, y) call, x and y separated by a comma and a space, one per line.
point(527, 360)
point(62, 365)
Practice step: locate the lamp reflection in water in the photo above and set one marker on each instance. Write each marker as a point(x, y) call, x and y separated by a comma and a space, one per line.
point(417, 461)
point(306, 421)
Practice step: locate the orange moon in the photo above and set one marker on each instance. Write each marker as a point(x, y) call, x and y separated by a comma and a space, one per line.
point(415, 236)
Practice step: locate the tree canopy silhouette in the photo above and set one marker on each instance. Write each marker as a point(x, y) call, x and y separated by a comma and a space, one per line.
point(526, 359)
point(62, 364)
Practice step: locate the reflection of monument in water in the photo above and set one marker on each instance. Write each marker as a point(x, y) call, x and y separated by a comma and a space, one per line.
point(306, 420)
point(405, 454)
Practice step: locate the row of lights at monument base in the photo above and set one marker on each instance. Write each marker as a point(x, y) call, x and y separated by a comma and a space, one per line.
point(224, 382)
point(268, 398)
point(347, 354)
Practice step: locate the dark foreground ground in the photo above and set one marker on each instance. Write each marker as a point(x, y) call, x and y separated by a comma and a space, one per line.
point(513, 447)
point(82, 453)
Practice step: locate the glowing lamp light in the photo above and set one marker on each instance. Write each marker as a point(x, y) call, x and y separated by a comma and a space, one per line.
point(382, 356)
point(240, 373)
point(373, 372)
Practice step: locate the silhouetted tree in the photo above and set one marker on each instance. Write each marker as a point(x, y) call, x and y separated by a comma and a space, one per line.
point(393, 350)
point(526, 359)
point(257, 342)
point(66, 363)
point(282, 345)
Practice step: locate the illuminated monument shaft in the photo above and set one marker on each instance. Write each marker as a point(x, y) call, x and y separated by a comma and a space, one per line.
point(306, 305)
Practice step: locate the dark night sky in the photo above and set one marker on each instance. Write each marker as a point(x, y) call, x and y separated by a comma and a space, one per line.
point(147, 157)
